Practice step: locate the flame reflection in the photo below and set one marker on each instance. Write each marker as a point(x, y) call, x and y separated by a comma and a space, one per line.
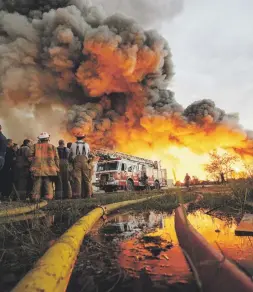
point(137, 254)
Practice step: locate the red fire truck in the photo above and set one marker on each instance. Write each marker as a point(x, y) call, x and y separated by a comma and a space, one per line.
point(119, 171)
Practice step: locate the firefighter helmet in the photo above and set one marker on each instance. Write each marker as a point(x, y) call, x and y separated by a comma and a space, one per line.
point(79, 134)
point(43, 135)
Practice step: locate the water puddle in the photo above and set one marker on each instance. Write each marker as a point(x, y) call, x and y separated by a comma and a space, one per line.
point(129, 224)
point(142, 245)
point(157, 252)
point(220, 233)
point(148, 242)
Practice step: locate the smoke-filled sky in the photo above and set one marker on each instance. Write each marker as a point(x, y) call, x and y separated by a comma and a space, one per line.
point(111, 74)
point(212, 47)
point(172, 94)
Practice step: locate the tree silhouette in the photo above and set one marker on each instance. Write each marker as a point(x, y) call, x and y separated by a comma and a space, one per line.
point(220, 165)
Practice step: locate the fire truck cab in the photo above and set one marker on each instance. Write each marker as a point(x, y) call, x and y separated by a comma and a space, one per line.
point(119, 171)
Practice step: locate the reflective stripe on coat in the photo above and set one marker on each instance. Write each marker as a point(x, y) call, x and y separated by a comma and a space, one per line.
point(44, 160)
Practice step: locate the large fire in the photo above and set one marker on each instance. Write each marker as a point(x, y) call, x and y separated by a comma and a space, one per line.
point(112, 78)
point(177, 143)
point(183, 148)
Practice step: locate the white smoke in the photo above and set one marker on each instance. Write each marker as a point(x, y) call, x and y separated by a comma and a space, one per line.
point(150, 14)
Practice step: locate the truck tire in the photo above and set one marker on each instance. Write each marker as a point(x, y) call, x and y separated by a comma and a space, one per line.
point(130, 185)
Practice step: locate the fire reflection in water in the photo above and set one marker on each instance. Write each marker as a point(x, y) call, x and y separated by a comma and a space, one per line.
point(160, 255)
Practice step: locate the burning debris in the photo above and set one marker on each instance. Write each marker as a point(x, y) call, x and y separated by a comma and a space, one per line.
point(109, 76)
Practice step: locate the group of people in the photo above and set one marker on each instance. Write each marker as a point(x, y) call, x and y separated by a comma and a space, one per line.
point(40, 169)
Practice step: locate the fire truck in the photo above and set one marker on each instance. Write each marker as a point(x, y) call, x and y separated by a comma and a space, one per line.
point(120, 171)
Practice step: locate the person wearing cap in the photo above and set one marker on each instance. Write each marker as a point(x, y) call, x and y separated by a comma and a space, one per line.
point(3, 146)
point(79, 155)
point(44, 167)
point(63, 187)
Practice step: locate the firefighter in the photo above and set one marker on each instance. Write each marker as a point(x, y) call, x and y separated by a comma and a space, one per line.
point(69, 144)
point(63, 187)
point(3, 146)
point(6, 174)
point(144, 177)
point(22, 170)
point(44, 167)
point(187, 180)
point(92, 159)
point(79, 155)
point(15, 147)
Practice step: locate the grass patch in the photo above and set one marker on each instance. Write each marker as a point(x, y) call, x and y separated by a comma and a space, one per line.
point(99, 199)
point(22, 243)
point(166, 203)
point(213, 200)
point(5, 205)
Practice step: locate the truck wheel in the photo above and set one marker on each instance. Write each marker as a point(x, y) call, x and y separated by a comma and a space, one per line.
point(157, 185)
point(130, 185)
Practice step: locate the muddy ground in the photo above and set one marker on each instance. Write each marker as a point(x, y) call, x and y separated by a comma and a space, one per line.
point(22, 243)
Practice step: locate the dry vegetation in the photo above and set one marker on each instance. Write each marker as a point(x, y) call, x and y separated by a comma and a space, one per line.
point(22, 243)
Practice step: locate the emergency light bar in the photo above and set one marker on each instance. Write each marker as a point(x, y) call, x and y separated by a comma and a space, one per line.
point(113, 155)
point(107, 158)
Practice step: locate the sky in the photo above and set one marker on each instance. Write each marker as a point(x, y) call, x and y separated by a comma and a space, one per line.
point(212, 47)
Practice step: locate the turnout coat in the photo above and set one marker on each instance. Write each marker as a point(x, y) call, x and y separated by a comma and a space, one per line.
point(44, 159)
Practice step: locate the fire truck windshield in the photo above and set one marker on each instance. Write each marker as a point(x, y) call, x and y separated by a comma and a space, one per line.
point(107, 166)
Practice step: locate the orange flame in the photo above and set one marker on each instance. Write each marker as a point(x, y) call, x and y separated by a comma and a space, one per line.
point(110, 69)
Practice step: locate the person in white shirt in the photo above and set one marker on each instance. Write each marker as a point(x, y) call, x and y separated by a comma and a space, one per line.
point(79, 155)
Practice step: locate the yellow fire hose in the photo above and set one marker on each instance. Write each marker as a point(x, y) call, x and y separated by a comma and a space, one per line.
point(22, 217)
point(53, 270)
point(22, 210)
